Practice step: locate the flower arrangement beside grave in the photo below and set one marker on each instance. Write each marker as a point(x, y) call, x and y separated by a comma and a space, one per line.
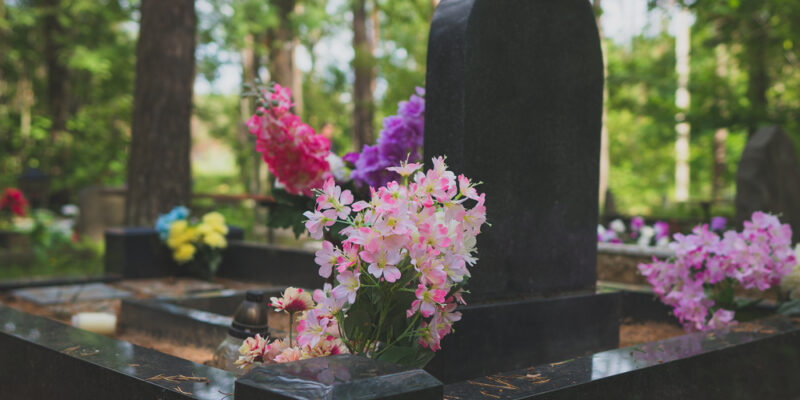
point(699, 281)
point(301, 160)
point(399, 273)
point(12, 204)
point(400, 141)
point(197, 246)
point(639, 233)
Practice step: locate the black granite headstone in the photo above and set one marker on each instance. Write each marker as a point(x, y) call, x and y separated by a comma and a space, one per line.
point(768, 178)
point(514, 99)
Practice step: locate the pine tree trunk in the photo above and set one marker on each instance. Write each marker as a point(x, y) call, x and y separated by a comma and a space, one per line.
point(758, 80)
point(682, 128)
point(159, 170)
point(605, 161)
point(363, 105)
point(721, 134)
point(56, 71)
point(282, 42)
point(248, 158)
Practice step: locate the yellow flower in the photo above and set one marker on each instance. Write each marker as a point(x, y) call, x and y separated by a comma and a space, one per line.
point(204, 229)
point(216, 222)
point(215, 240)
point(177, 234)
point(184, 253)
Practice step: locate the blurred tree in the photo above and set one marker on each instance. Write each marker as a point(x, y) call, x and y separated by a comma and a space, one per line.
point(159, 171)
point(364, 71)
point(66, 79)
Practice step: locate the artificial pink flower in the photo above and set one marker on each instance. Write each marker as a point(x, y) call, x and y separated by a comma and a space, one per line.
point(349, 284)
point(406, 169)
point(428, 300)
point(326, 258)
point(317, 221)
point(293, 300)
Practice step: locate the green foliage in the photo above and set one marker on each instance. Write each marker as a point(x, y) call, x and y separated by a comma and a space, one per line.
point(96, 48)
point(288, 212)
point(51, 252)
point(376, 323)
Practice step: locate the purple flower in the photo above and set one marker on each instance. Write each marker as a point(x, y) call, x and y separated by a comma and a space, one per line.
point(400, 140)
point(351, 157)
point(718, 224)
point(637, 223)
point(662, 229)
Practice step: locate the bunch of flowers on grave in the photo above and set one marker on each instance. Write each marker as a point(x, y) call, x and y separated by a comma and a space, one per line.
point(400, 140)
point(13, 204)
point(790, 284)
point(197, 245)
point(298, 158)
point(700, 280)
point(398, 275)
point(637, 233)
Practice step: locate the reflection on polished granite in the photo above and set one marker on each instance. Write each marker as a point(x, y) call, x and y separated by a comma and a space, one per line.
point(42, 358)
point(758, 359)
point(338, 377)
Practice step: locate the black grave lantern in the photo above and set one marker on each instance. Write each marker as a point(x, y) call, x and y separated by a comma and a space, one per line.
point(35, 185)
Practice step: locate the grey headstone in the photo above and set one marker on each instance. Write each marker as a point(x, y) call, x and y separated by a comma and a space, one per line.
point(100, 208)
point(514, 99)
point(769, 178)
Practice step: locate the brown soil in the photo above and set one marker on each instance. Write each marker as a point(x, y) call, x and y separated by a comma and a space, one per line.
point(620, 268)
point(631, 334)
point(200, 355)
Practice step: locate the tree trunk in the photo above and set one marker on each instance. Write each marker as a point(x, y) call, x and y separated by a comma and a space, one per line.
point(281, 42)
point(363, 105)
point(56, 72)
point(605, 161)
point(682, 128)
point(159, 168)
point(248, 158)
point(758, 80)
point(721, 134)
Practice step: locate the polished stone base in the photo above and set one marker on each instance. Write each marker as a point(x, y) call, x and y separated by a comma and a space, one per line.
point(337, 377)
point(758, 360)
point(43, 359)
point(499, 337)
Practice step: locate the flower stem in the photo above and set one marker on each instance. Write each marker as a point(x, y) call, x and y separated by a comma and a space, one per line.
point(402, 336)
point(291, 319)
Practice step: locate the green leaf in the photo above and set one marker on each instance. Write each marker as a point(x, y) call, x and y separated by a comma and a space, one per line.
point(791, 307)
point(411, 356)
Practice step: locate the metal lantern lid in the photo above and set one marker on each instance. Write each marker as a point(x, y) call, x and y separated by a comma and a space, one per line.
point(251, 316)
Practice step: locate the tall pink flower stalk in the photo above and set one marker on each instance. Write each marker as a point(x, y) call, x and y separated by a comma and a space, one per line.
point(294, 153)
point(698, 282)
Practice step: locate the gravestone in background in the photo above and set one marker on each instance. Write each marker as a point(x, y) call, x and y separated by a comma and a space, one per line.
point(768, 178)
point(514, 99)
point(100, 208)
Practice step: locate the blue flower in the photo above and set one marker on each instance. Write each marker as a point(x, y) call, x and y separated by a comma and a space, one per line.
point(164, 221)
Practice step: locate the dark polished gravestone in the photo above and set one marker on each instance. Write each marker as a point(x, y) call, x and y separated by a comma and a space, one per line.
point(139, 253)
point(337, 377)
point(757, 360)
point(514, 99)
point(768, 178)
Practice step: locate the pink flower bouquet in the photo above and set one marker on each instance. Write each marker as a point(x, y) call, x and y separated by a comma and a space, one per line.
point(399, 273)
point(699, 281)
